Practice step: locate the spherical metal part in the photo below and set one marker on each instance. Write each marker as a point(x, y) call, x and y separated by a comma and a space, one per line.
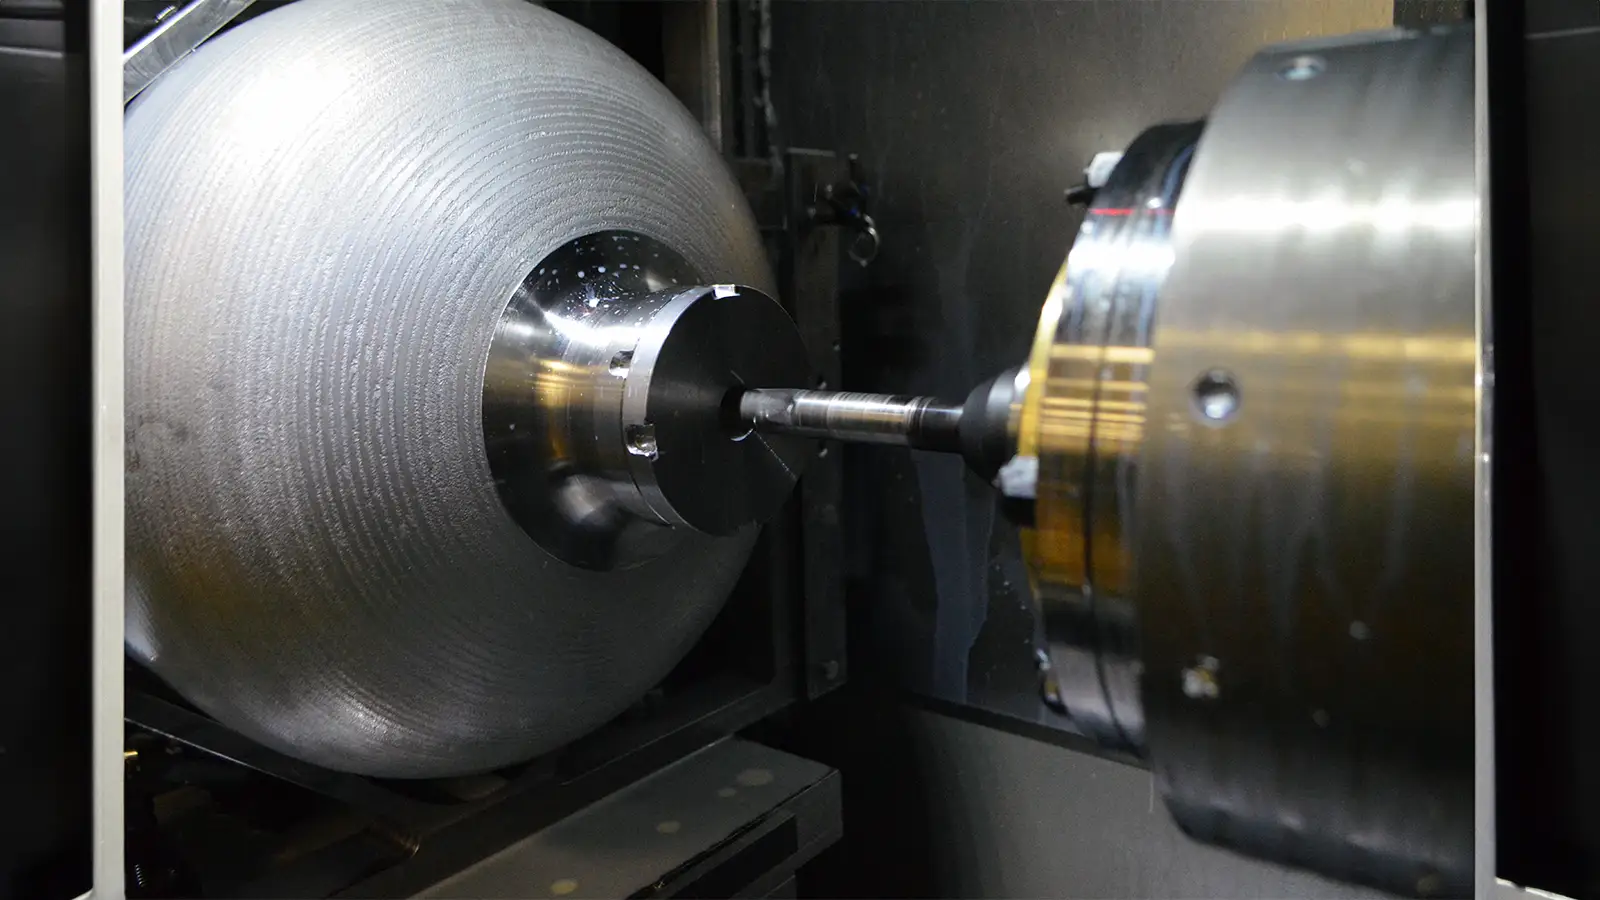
point(327, 209)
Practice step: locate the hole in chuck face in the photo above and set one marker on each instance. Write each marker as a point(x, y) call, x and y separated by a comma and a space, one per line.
point(734, 421)
point(1216, 396)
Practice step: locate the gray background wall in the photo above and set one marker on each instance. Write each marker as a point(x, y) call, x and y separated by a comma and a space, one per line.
point(1015, 817)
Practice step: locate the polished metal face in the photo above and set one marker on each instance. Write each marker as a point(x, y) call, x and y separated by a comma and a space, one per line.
point(603, 402)
point(552, 394)
point(693, 462)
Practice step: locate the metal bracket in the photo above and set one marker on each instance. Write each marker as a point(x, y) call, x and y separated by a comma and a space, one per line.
point(844, 202)
point(173, 38)
point(811, 285)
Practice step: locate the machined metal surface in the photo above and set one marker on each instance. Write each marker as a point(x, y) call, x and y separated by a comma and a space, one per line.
point(700, 348)
point(983, 428)
point(1303, 532)
point(603, 398)
point(174, 37)
point(328, 210)
point(920, 422)
point(1487, 143)
point(1083, 420)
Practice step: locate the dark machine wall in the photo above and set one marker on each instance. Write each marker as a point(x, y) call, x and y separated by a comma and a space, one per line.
point(44, 292)
point(1544, 83)
point(1013, 817)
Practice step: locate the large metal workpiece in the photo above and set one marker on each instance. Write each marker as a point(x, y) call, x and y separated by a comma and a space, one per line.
point(426, 472)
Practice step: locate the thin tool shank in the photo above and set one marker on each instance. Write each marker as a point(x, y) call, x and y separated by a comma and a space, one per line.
point(920, 422)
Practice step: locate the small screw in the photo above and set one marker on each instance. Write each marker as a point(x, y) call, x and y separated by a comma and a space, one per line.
point(641, 440)
point(1050, 692)
point(830, 670)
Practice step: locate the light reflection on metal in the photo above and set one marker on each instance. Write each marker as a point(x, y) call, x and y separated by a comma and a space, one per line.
point(1085, 420)
point(617, 450)
point(1318, 541)
point(1390, 218)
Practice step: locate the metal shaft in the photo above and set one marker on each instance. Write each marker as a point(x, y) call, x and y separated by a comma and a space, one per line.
point(920, 422)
